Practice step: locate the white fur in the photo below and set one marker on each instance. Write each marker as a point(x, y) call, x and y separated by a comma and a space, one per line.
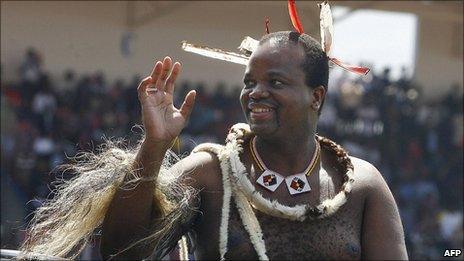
point(251, 224)
point(183, 249)
point(223, 229)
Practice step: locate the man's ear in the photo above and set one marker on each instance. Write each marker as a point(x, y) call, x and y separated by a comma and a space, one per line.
point(318, 97)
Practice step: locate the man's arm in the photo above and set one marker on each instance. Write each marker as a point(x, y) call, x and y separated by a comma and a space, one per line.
point(131, 212)
point(382, 231)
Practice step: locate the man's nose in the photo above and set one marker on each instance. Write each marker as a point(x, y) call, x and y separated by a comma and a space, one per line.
point(259, 92)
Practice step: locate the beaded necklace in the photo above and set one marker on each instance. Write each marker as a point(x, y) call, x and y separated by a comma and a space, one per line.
point(296, 183)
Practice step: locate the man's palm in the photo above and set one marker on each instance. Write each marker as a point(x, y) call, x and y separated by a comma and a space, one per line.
point(162, 121)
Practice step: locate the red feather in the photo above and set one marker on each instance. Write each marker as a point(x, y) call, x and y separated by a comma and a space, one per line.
point(351, 68)
point(294, 16)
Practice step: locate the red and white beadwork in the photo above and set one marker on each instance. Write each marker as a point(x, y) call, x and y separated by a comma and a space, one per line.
point(270, 180)
point(297, 184)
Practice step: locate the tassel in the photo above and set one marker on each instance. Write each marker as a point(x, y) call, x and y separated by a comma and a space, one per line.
point(294, 16)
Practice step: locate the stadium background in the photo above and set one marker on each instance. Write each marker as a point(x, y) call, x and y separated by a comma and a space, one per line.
point(69, 72)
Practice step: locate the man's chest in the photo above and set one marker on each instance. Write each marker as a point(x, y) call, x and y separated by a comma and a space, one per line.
point(337, 237)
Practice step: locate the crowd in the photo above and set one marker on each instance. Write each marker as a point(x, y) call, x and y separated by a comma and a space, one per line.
point(416, 144)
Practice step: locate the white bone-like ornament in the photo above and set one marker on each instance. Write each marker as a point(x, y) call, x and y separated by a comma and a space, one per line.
point(215, 53)
point(248, 44)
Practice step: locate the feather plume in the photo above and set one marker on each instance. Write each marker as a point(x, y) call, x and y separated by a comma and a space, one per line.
point(294, 16)
point(351, 68)
point(326, 25)
point(327, 38)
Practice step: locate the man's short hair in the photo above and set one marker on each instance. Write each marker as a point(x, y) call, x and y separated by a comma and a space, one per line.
point(316, 62)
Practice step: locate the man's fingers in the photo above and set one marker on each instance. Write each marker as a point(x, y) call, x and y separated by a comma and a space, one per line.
point(149, 81)
point(172, 78)
point(161, 78)
point(167, 64)
point(144, 84)
point(187, 106)
point(155, 73)
point(166, 68)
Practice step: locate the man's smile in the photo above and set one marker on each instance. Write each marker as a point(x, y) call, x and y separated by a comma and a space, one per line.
point(260, 111)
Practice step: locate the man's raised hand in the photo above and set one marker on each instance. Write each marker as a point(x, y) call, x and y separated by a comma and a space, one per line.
point(162, 121)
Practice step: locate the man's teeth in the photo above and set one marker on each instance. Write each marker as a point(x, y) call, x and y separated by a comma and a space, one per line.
point(260, 110)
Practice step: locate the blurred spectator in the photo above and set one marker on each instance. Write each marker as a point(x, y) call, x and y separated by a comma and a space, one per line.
point(31, 68)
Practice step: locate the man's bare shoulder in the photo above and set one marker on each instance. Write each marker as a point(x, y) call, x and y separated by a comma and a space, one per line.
point(367, 177)
point(381, 219)
point(202, 169)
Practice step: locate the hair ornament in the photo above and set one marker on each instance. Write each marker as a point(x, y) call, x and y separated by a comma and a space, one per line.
point(294, 16)
point(326, 28)
point(248, 44)
point(267, 25)
point(216, 53)
point(327, 32)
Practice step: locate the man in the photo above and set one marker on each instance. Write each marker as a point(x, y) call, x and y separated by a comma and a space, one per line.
point(250, 204)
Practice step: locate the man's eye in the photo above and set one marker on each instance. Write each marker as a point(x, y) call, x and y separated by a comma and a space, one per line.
point(276, 83)
point(249, 83)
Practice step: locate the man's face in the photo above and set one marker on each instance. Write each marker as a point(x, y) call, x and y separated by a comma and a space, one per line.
point(275, 98)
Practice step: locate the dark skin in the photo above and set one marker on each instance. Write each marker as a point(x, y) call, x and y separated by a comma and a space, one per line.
point(282, 112)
